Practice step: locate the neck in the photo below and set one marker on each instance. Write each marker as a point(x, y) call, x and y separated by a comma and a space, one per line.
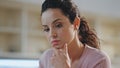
point(75, 49)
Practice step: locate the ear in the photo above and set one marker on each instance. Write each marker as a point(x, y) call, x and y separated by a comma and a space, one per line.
point(77, 22)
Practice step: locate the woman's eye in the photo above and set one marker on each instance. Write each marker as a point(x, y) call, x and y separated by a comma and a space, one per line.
point(46, 29)
point(58, 25)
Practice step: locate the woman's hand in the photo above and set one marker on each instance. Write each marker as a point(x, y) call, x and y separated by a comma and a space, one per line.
point(60, 58)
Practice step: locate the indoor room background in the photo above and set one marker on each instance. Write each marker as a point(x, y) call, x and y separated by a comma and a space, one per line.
point(21, 36)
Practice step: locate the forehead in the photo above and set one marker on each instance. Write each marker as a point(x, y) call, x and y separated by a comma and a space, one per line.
point(52, 14)
point(52, 11)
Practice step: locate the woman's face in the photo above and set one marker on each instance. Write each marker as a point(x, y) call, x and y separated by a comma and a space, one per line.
point(57, 28)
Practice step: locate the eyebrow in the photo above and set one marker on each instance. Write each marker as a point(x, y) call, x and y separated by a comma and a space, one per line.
point(53, 21)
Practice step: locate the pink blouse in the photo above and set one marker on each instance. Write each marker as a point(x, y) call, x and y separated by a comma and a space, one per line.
point(91, 58)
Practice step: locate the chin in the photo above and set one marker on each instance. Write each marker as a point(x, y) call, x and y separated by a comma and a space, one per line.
point(57, 47)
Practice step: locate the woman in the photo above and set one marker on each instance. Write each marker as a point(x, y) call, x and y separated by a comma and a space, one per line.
point(73, 43)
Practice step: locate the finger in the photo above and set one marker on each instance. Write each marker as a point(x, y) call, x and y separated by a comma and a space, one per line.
point(53, 55)
point(65, 49)
point(55, 51)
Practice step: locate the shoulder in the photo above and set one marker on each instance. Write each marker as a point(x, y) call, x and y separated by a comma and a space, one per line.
point(96, 53)
point(96, 56)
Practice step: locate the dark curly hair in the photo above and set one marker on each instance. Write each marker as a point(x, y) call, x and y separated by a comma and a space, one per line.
point(70, 10)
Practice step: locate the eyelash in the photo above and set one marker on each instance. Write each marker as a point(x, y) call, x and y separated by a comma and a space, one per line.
point(46, 29)
point(56, 25)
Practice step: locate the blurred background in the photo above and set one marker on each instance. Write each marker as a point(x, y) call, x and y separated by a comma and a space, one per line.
point(21, 36)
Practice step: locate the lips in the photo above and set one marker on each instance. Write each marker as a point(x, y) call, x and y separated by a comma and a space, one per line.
point(55, 42)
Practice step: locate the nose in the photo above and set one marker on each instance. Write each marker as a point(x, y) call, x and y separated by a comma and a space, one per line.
point(53, 33)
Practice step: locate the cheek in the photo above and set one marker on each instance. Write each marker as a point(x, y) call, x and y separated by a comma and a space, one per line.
point(66, 35)
point(47, 36)
point(70, 35)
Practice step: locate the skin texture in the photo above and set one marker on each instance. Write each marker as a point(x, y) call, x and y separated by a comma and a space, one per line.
point(58, 24)
point(62, 36)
